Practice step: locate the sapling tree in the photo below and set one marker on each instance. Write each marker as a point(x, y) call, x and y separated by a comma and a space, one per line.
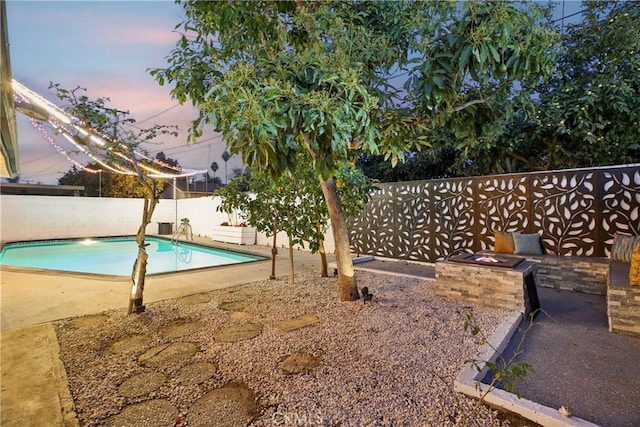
point(265, 212)
point(120, 151)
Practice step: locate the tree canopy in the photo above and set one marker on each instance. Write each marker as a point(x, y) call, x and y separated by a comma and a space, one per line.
point(589, 112)
point(279, 78)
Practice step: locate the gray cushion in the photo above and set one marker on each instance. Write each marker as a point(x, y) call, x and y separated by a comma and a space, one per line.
point(527, 244)
point(622, 247)
point(618, 274)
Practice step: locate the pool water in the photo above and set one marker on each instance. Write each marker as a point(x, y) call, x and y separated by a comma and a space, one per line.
point(116, 256)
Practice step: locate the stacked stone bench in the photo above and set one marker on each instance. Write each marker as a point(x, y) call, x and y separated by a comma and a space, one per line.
point(623, 300)
point(570, 273)
point(598, 276)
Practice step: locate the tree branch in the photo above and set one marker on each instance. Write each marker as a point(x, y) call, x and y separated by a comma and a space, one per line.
point(469, 104)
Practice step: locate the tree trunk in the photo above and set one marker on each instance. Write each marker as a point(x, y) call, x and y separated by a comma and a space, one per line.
point(274, 250)
point(347, 286)
point(140, 267)
point(291, 268)
point(324, 267)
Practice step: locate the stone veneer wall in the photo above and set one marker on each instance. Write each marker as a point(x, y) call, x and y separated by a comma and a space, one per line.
point(489, 286)
point(578, 274)
point(623, 304)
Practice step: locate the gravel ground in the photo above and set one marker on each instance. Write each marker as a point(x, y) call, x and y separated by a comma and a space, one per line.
point(390, 362)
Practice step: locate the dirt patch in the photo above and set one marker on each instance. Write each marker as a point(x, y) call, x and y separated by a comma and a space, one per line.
point(195, 299)
point(235, 333)
point(167, 355)
point(88, 321)
point(141, 384)
point(299, 363)
point(152, 413)
point(229, 406)
point(129, 344)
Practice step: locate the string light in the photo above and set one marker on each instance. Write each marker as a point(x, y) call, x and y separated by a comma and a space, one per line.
point(88, 141)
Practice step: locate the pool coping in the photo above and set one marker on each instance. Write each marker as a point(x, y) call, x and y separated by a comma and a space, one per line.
point(116, 277)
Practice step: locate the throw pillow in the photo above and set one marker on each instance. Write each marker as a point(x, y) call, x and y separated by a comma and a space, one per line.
point(527, 244)
point(622, 247)
point(504, 242)
point(634, 270)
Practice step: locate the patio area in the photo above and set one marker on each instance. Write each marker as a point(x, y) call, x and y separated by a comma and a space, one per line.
point(591, 385)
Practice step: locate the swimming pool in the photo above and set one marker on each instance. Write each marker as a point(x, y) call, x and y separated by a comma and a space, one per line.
point(115, 256)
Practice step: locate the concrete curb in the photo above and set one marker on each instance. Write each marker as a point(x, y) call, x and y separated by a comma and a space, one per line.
point(469, 382)
point(361, 259)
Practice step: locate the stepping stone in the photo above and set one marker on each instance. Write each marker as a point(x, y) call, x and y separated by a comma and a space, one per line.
point(297, 323)
point(142, 384)
point(229, 406)
point(130, 344)
point(196, 373)
point(152, 413)
point(232, 305)
point(87, 321)
point(239, 315)
point(235, 333)
point(299, 363)
point(167, 354)
point(195, 299)
point(180, 328)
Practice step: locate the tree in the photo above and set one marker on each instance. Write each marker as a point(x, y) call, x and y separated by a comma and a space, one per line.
point(98, 181)
point(264, 212)
point(225, 158)
point(294, 203)
point(121, 149)
point(214, 168)
point(589, 113)
point(279, 78)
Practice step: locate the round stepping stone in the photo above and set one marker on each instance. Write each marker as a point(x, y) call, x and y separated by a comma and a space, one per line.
point(142, 384)
point(130, 344)
point(196, 373)
point(180, 328)
point(297, 323)
point(299, 363)
point(229, 406)
point(88, 321)
point(232, 305)
point(152, 413)
point(195, 299)
point(235, 333)
point(167, 354)
point(239, 315)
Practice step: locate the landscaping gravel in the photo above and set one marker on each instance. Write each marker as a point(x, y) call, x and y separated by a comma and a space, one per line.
point(389, 362)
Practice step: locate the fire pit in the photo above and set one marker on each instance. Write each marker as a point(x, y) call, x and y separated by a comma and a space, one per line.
point(488, 260)
point(489, 279)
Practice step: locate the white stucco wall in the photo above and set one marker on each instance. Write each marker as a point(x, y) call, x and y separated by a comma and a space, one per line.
point(56, 217)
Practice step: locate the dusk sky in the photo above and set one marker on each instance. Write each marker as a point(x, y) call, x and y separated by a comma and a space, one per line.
point(106, 47)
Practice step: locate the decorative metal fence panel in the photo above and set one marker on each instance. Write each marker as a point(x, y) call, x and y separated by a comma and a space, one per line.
point(577, 212)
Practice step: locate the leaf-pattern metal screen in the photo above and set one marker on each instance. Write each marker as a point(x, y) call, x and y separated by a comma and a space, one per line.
point(576, 211)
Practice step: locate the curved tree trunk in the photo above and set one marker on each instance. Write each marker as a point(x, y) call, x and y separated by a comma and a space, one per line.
point(140, 267)
point(347, 286)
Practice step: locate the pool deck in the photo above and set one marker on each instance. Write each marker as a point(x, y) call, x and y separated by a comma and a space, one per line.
point(34, 385)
